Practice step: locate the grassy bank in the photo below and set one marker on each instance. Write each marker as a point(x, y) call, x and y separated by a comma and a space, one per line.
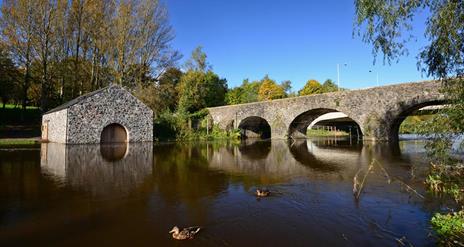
point(321, 133)
point(19, 142)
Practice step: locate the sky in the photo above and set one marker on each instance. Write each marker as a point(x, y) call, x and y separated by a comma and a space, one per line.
point(294, 40)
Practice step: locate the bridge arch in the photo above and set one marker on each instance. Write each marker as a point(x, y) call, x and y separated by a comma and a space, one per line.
point(254, 127)
point(299, 126)
point(405, 111)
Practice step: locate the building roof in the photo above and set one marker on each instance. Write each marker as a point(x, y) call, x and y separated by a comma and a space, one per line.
point(77, 100)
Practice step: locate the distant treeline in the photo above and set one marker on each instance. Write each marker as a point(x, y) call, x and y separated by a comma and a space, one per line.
point(54, 51)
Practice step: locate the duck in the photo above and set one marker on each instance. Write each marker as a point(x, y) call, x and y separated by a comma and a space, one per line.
point(262, 192)
point(186, 233)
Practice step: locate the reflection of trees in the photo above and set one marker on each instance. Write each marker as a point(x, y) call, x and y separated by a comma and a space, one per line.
point(182, 173)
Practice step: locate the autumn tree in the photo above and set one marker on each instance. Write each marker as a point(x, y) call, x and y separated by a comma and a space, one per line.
point(68, 48)
point(247, 92)
point(270, 90)
point(311, 87)
point(16, 22)
point(9, 78)
point(198, 61)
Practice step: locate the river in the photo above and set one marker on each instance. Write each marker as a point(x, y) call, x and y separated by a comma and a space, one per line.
point(92, 195)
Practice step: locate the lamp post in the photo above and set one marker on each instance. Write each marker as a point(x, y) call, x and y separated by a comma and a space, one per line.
point(377, 77)
point(338, 75)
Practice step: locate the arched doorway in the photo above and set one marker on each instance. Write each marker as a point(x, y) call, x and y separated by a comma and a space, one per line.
point(254, 127)
point(114, 133)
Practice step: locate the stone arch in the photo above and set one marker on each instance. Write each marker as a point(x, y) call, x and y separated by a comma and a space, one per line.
point(300, 123)
point(405, 111)
point(114, 133)
point(254, 127)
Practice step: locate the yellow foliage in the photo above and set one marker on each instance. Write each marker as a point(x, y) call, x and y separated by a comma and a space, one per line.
point(270, 90)
point(311, 87)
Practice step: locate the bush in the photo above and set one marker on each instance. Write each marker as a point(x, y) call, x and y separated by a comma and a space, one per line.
point(450, 228)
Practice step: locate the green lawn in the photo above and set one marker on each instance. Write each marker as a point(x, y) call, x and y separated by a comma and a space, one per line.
point(18, 142)
point(318, 132)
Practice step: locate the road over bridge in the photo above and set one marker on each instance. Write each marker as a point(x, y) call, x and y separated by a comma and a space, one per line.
point(377, 112)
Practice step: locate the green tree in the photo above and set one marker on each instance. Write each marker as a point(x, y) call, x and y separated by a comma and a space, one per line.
point(198, 89)
point(311, 87)
point(386, 25)
point(270, 90)
point(287, 86)
point(247, 92)
point(198, 61)
point(9, 79)
point(329, 86)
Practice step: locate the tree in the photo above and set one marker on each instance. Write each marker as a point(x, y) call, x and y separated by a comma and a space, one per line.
point(198, 90)
point(329, 86)
point(385, 24)
point(311, 87)
point(198, 61)
point(17, 32)
point(270, 90)
point(287, 86)
point(67, 48)
point(247, 92)
point(9, 78)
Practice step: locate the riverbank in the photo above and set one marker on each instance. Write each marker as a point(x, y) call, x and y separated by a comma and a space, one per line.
point(324, 133)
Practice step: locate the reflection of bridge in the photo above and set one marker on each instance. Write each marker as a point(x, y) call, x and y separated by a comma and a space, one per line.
point(280, 160)
point(377, 111)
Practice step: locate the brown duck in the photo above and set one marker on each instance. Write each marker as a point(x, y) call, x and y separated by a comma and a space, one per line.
point(262, 192)
point(186, 233)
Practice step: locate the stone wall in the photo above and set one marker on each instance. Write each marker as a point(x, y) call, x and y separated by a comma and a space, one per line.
point(56, 125)
point(376, 110)
point(86, 119)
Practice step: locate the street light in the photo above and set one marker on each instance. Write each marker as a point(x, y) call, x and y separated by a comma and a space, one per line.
point(338, 74)
point(377, 77)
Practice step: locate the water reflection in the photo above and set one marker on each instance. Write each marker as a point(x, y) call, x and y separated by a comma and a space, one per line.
point(143, 190)
point(102, 170)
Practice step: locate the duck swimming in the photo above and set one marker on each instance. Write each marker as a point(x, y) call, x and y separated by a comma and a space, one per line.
point(262, 192)
point(186, 233)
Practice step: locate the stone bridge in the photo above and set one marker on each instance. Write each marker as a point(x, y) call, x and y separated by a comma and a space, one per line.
point(377, 112)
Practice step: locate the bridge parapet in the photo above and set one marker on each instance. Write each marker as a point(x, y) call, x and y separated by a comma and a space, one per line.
point(378, 111)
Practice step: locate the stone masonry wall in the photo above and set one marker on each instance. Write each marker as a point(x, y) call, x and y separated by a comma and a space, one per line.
point(87, 119)
point(375, 110)
point(56, 125)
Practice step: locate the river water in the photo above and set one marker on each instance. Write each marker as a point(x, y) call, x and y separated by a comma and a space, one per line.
point(88, 195)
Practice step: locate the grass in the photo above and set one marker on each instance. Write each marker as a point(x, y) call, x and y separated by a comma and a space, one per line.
point(18, 142)
point(449, 227)
point(11, 106)
point(318, 133)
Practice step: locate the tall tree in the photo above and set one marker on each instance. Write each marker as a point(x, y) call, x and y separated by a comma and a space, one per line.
point(198, 61)
point(17, 33)
point(9, 77)
point(329, 86)
point(311, 87)
point(270, 90)
point(42, 41)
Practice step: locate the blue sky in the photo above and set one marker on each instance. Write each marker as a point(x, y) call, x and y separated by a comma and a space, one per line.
point(292, 40)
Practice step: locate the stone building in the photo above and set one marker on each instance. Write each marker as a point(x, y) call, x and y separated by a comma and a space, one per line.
point(110, 114)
